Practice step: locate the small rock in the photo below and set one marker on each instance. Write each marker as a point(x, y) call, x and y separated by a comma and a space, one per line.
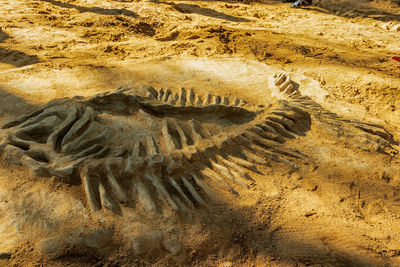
point(50, 246)
point(98, 239)
point(173, 246)
point(78, 237)
point(146, 243)
point(396, 28)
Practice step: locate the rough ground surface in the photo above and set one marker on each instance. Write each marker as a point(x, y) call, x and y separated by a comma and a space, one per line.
point(341, 208)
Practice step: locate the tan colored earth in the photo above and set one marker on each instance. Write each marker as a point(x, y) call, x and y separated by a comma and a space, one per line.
point(340, 208)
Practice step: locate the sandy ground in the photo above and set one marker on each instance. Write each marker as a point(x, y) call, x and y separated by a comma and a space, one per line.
point(341, 209)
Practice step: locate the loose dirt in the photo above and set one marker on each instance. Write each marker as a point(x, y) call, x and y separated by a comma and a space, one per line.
point(340, 208)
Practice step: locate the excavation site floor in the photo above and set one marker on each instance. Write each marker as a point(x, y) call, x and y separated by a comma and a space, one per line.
point(199, 133)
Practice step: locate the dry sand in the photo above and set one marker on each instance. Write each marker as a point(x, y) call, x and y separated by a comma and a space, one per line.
point(342, 208)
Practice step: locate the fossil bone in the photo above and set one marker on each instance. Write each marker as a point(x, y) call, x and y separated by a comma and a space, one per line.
point(148, 146)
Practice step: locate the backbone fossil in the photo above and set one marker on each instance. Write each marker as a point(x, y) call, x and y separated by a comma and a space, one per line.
point(163, 149)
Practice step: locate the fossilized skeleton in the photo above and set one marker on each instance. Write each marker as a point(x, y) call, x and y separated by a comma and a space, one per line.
point(155, 146)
